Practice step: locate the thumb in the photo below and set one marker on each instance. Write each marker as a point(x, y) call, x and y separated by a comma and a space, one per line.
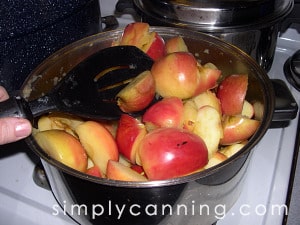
point(13, 129)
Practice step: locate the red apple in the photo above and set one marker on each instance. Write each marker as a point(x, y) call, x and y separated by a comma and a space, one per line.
point(176, 74)
point(129, 134)
point(117, 171)
point(208, 77)
point(94, 171)
point(138, 169)
point(237, 129)
point(138, 94)
point(166, 113)
point(138, 34)
point(175, 44)
point(167, 153)
point(232, 92)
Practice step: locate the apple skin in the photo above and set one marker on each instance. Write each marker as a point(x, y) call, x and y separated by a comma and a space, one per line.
point(237, 129)
point(98, 143)
point(94, 171)
point(209, 77)
point(209, 127)
point(130, 132)
point(138, 94)
point(232, 92)
point(117, 171)
point(175, 44)
point(63, 147)
point(138, 34)
point(166, 113)
point(167, 153)
point(176, 74)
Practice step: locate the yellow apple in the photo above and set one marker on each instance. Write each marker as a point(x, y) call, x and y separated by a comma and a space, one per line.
point(216, 158)
point(98, 143)
point(63, 147)
point(175, 44)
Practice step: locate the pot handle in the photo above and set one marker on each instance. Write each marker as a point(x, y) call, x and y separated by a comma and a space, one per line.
point(286, 107)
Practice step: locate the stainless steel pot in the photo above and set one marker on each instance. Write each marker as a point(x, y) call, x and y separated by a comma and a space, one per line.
point(252, 26)
point(203, 197)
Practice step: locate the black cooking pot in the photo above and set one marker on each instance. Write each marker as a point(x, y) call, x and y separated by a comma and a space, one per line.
point(200, 198)
point(252, 25)
point(32, 30)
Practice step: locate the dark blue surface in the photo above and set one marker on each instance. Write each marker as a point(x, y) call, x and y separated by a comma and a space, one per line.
point(32, 30)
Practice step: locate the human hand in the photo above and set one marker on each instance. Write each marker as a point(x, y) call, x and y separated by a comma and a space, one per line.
point(11, 128)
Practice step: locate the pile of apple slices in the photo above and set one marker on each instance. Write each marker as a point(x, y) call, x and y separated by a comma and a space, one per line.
point(199, 122)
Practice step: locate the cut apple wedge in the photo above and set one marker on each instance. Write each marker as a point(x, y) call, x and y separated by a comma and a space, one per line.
point(59, 121)
point(237, 129)
point(98, 143)
point(208, 126)
point(166, 113)
point(175, 44)
point(129, 134)
point(216, 158)
point(63, 147)
point(232, 92)
point(138, 94)
point(208, 98)
point(190, 112)
point(117, 171)
point(248, 109)
point(230, 150)
point(94, 171)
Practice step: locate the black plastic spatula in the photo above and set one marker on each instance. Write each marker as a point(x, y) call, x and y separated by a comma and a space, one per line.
point(89, 89)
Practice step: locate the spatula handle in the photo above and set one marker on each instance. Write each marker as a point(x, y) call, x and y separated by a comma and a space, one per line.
point(15, 106)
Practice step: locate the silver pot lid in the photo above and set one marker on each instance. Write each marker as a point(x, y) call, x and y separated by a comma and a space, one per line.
point(215, 13)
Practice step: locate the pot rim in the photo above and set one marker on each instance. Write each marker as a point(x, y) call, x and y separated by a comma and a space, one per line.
point(269, 104)
point(211, 19)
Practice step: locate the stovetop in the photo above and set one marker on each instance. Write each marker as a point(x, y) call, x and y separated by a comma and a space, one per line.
point(263, 199)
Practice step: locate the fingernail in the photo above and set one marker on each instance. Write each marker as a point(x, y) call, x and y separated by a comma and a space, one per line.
point(22, 129)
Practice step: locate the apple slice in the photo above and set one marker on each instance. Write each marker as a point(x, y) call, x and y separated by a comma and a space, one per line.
point(138, 34)
point(216, 158)
point(190, 112)
point(117, 171)
point(129, 134)
point(208, 126)
point(208, 98)
point(138, 94)
point(237, 129)
point(98, 143)
point(63, 147)
point(248, 109)
point(175, 44)
point(166, 113)
point(171, 152)
point(94, 171)
point(232, 92)
point(59, 121)
point(230, 150)
point(208, 77)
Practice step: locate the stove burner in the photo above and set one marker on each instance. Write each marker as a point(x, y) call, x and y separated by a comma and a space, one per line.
point(292, 70)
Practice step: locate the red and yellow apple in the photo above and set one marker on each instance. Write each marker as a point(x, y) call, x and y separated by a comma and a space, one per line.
point(139, 35)
point(237, 129)
point(118, 171)
point(63, 147)
point(171, 152)
point(175, 44)
point(94, 171)
point(232, 92)
point(138, 94)
point(129, 134)
point(166, 113)
point(98, 143)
